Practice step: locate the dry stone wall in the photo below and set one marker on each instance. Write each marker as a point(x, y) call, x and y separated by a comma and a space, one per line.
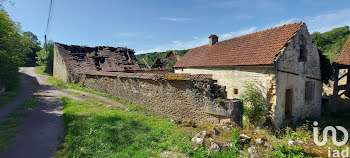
point(183, 97)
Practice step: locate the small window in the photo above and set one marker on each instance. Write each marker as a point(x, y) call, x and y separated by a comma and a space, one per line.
point(235, 91)
point(302, 50)
point(182, 69)
point(309, 90)
point(303, 55)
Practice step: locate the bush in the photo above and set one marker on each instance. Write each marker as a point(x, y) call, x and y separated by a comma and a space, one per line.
point(45, 58)
point(282, 151)
point(253, 104)
point(14, 49)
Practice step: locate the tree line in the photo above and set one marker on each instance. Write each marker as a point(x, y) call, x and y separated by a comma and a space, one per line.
point(18, 48)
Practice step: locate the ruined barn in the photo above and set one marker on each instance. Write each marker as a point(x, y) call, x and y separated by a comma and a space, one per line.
point(283, 61)
point(72, 59)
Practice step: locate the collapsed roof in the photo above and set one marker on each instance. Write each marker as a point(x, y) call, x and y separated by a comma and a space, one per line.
point(100, 58)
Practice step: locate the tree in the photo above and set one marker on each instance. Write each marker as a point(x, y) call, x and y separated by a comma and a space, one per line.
point(13, 51)
point(31, 36)
point(45, 57)
point(329, 45)
point(34, 45)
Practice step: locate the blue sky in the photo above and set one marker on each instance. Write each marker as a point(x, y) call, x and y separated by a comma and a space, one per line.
point(159, 25)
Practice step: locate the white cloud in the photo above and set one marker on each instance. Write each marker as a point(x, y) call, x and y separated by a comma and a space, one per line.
point(288, 21)
point(238, 33)
point(323, 22)
point(195, 42)
point(328, 21)
point(175, 19)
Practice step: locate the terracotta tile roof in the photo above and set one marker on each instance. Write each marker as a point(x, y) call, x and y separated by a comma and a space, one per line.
point(260, 48)
point(344, 57)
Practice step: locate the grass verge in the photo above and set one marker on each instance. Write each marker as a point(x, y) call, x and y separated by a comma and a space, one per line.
point(10, 127)
point(102, 131)
point(41, 70)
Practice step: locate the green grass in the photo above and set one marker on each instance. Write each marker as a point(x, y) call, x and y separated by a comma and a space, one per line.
point(10, 127)
point(101, 131)
point(8, 96)
point(41, 70)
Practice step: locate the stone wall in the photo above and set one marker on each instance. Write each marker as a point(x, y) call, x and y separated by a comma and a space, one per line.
point(182, 97)
point(60, 70)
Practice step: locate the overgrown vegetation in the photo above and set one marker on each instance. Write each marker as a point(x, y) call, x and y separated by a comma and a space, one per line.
point(45, 57)
point(329, 45)
point(102, 131)
point(283, 151)
point(150, 58)
point(41, 70)
point(16, 49)
point(10, 127)
point(253, 104)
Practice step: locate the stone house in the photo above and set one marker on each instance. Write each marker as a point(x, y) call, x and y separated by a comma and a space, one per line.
point(283, 60)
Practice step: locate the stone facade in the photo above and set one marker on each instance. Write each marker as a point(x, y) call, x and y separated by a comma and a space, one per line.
point(290, 71)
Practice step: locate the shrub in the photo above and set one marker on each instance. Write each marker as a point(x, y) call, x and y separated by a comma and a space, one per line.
point(253, 103)
point(45, 58)
point(282, 151)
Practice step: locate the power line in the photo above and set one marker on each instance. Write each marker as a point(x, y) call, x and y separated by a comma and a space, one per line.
point(48, 21)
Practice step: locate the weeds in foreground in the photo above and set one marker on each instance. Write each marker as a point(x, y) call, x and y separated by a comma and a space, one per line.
point(253, 104)
point(10, 127)
point(283, 151)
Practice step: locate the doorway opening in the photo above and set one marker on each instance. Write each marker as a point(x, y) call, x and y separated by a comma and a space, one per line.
point(288, 108)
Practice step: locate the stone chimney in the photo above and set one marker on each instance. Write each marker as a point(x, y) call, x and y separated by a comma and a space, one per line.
point(213, 39)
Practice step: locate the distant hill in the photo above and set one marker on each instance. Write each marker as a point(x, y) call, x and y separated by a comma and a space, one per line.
point(331, 43)
point(151, 58)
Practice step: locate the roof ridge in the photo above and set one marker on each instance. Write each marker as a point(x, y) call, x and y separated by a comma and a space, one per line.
point(258, 48)
point(301, 23)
